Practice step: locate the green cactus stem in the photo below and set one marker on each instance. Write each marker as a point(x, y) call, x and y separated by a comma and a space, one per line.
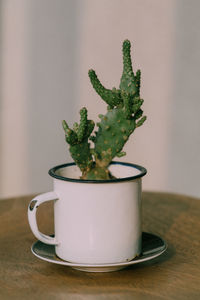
point(78, 140)
point(123, 116)
point(111, 97)
point(129, 82)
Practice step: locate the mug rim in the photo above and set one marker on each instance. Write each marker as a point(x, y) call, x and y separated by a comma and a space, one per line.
point(143, 172)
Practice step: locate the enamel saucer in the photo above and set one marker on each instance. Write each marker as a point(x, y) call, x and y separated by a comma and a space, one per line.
point(152, 247)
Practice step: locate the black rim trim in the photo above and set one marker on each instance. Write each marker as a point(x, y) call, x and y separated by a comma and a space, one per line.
point(143, 171)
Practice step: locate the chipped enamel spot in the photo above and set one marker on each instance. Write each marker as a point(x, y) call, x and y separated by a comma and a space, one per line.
point(32, 205)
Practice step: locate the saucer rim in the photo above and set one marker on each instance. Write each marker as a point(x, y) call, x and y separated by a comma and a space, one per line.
point(144, 257)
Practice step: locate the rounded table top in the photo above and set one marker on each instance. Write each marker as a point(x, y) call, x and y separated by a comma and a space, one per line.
point(173, 275)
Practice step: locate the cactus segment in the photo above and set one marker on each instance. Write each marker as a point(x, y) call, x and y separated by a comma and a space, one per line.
point(79, 132)
point(70, 135)
point(82, 156)
point(141, 121)
point(129, 82)
point(111, 97)
point(137, 79)
point(136, 105)
point(110, 142)
point(127, 104)
point(81, 129)
point(77, 139)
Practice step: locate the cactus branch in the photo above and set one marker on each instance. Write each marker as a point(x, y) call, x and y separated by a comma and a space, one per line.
point(129, 82)
point(141, 121)
point(111, 97)
point(127, 63)
point(77, 139)
point(127, 104)
point(137, 79)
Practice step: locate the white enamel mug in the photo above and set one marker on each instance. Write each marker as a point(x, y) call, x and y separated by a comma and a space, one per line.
point(95, 221)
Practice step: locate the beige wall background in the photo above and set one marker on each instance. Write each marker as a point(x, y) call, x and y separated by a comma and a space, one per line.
point(46, 49)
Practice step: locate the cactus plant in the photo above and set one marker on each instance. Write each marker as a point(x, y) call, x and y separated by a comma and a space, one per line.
point(123, 116)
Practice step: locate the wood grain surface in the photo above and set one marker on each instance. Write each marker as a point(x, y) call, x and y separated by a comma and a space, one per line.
point(174, 275)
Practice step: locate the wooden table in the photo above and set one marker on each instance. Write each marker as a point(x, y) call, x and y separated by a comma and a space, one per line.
point(174, 275)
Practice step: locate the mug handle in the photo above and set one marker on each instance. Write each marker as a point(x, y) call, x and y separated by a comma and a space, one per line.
point(32, 209)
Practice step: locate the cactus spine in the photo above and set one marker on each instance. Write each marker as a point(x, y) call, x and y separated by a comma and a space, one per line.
point(123, 116)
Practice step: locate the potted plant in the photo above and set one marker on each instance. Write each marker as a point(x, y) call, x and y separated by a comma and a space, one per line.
point(124, 115)
point(97, 201)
